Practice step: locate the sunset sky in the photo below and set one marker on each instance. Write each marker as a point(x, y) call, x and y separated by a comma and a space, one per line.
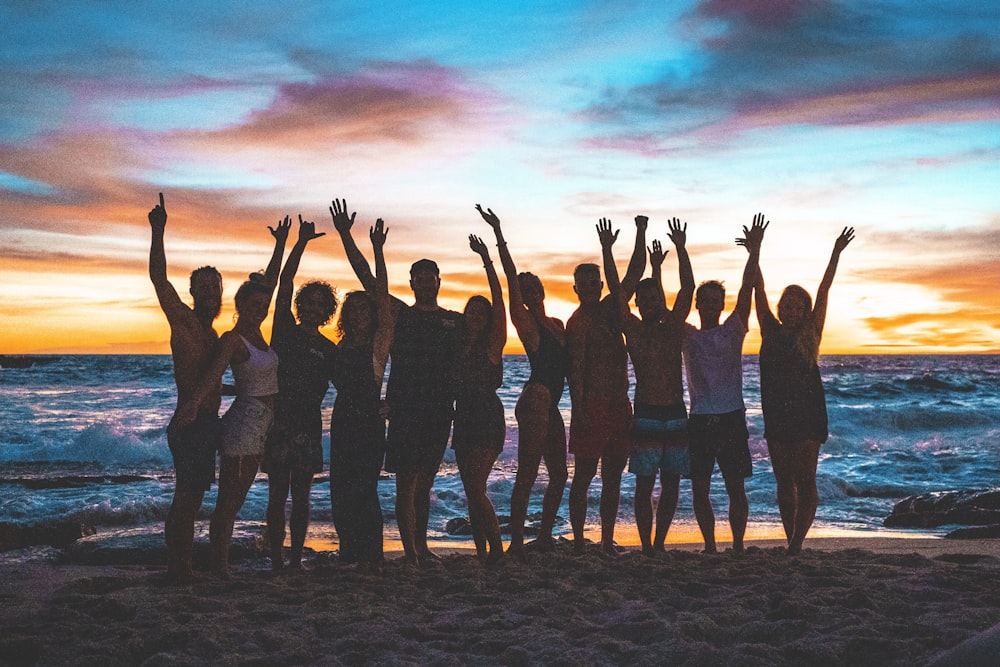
point(821, 114)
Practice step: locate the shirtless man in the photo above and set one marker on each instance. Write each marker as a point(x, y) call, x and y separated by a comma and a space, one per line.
point(598, 387)
point(193, 344)
point(717, 429)
point(659, 428)
point(420, 392)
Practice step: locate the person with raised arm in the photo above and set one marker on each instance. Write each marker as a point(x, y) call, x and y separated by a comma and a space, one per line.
point(246, 424)
point(420, 394)
point(193, 343)
point(598, 385)
point(294, 448)
point(480, 429)
point(717, 428)
point(540, 426)
point(357, 428)
point(791, 394)
point(659, 426)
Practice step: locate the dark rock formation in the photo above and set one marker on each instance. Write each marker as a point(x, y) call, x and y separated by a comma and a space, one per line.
point(58, 534)
point(940, 508)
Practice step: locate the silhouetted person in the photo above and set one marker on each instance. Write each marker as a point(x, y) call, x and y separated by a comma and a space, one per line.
point(791, 394)
point(659, 426)
point(247, 422)
point(193, 343)
point(294, 449)
point(420, 392)
point(540, 426)
point(357, 428)
point(480, 430)
point(717, 429)
point(598, 386)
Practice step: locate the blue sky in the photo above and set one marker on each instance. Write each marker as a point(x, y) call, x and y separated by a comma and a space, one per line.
point(883, 116)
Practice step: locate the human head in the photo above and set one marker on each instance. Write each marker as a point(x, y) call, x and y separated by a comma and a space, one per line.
point(794, 305)
point(587, 283)
point(649, 299)
point(478, 314)
point(253, 298)
point(357, 317)
point(425, 280)
point(532, 291)
point(206, 291)
point(315, 303)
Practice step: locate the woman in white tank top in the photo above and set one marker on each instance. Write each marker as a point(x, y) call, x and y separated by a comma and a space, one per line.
point(246, 424)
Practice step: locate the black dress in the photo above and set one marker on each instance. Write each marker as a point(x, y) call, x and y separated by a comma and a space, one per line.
point(357, 449)
point(791, 390)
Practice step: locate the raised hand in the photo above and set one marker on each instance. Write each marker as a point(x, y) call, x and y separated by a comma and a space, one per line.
point(341, 221)
point(605, 234)
point(656, 255)
point(489, 216)
point(641, 222)
point(752, 237)
point(845, 237)
point(158, 216)
point(377, 234)
point(280, 233)
point(677, 233)
point(307, 230)
point(479, 247)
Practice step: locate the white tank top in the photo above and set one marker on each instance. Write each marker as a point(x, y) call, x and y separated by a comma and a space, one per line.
point(258, 375)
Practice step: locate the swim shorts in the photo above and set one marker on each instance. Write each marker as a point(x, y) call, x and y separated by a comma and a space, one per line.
point(606, 433)
point(417, 438)
point(721, 438)
point(659, 440)
point(245, 427)
point(193, 449)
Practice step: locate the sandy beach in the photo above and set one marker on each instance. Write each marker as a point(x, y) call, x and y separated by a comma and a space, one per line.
point(844, 601)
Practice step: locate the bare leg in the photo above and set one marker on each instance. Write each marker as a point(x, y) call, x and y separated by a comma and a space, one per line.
point(665, 509)
point(301, 486)
point(236, 474)
point(277, 496)
point(423, 483)
point(532, 415)
point(643, 507)
point(611, 483)
point(178, 532)
point(804, 457)
point(405, 513)
point(555, 465)
point(579, 490)
point(703, 512)
point(739, 510)
point(475, 467)
point(784, 477)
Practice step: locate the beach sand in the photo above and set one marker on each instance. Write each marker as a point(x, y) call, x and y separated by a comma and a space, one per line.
point(844, 601)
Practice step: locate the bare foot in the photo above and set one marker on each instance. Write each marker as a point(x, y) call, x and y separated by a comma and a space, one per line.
point(517, 553)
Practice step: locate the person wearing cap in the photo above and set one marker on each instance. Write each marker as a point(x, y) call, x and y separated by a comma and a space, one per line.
point(420, 392)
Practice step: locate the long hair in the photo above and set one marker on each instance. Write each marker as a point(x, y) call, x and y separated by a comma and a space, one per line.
point(805, 341)
point(345, 325)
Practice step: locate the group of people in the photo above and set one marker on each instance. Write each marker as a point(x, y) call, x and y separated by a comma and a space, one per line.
point(445, 372)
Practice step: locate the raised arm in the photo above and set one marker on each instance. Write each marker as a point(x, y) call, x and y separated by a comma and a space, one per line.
point(682, 303)
point(751, 240)
point(636, 263)
point(286, 284)
point(656, 257)
point(498, 334)
point(607, 239)
point(343, 223)
point(384, 311)
point(169, 300)
point(822, 294)
point(524, 322)
point(280, 234)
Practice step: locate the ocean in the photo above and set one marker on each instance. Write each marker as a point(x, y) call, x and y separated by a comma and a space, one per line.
point(82, 438)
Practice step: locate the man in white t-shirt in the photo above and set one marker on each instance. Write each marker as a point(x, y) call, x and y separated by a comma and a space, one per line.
point(717, 430)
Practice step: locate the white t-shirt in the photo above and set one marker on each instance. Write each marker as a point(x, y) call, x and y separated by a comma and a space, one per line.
point(713, 360)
